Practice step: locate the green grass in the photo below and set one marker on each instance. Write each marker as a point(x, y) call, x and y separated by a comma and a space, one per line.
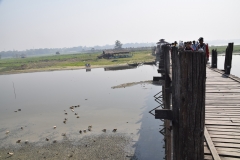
point(70, 60)
point(222, 49)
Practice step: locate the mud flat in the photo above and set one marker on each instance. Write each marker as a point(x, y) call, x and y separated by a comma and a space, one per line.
point(143, 83)
point(94, 147)
point(132, 84)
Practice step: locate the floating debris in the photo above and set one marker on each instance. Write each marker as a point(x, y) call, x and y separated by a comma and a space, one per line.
point(114, 130)
point(54, 127)
point(104, 130)
point(18, 141)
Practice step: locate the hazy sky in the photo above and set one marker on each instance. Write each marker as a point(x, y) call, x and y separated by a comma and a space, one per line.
point(27, 24)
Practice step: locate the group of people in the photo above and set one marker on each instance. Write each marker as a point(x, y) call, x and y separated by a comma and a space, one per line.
point(194, 46)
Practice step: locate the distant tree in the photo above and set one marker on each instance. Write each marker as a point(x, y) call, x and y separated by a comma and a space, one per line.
point(0, 56)
point(57, 52)
point(118, 45)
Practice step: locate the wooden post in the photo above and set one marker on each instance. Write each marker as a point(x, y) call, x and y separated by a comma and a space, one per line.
point(167, 100)
point(175, 99)
point(161, 61)
point(228, 58)
point(166, 57)
point(214, 58)
point(188, 82)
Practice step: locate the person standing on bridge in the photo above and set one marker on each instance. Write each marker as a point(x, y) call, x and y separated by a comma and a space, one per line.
point(194, 46)
point(188, 46)
point(204, 47)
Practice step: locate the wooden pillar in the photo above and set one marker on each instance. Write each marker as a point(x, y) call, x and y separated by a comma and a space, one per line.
point(188, 91)
point(214, 58)
point(175, 99)
point(166, 57)
point(228, 58)
point(161, 61)
point(166, 100)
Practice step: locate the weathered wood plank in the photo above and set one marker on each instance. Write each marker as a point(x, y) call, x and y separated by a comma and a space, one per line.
point(228, 149)
point(213, 133)
point(228, 158)
point(223, 140)
point(217, 126)
point(220, 123)
point(208, 157)
point(163, 114)
point(236, 129)
point(211, 145)
point(229, 145)
point(230, 136)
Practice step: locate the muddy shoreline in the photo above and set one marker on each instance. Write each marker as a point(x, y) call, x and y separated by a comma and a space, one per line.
point(57, 69)
point(94, 147)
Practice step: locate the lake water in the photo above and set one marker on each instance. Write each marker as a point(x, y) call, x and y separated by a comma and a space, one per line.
point(235, 64)
point(43, 97)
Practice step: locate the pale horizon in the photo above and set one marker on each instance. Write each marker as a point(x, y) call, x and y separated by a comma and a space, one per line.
point(36, 24)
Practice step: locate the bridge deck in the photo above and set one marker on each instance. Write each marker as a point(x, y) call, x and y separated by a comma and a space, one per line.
point(222, 118)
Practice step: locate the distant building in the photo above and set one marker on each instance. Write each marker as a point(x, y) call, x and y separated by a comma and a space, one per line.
point(109, 54)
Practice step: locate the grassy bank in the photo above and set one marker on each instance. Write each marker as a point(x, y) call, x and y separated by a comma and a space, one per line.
point(55, 62)
point(222, 49)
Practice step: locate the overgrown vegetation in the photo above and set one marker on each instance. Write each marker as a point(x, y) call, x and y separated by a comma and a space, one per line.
point(222, 49)
point(66, 61)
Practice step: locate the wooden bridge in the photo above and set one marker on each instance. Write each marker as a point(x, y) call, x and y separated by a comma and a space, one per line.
point(222, 116)
point(201, 106)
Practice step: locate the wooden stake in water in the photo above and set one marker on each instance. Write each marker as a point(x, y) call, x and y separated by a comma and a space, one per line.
point(14, 90)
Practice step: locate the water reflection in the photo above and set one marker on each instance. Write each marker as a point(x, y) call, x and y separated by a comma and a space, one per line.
point(150, 143)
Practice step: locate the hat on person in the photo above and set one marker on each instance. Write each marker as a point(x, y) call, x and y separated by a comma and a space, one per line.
point(201, 38)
